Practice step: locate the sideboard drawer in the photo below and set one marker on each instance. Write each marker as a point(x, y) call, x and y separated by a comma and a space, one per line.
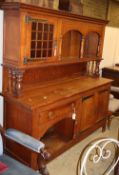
point(57, 113)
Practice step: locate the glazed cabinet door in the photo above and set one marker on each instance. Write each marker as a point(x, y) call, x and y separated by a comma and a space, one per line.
point(88, 111)
point(41, 39)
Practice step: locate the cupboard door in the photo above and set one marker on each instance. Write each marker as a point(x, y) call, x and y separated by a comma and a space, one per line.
point(103, 99)
point(88, 113)
point(91, 45)
point(41, 39)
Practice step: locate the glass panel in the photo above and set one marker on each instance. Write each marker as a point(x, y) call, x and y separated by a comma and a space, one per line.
point(50, 36)
point(33, 44)
point(41, 40)
point(38, 53)
point(34, 26)
point(39, 36)
point(45, 45)
point(33, 54)
point(50, 44)
point(45, 27)
point(33, 37)
point(39, 45)
point(45, 36)
point(40, 26)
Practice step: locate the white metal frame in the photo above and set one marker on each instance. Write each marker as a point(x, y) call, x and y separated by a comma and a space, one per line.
point(99, 144)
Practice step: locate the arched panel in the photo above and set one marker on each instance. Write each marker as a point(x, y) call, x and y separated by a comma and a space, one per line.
point(71, 45)
point(43, 130)
point(58, 134)
point(91, 45)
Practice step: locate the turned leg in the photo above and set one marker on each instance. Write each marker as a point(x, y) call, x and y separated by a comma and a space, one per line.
point(104, 125)
point(104, 128)
point(42, 158)
point(109, 119)
point(109, 123)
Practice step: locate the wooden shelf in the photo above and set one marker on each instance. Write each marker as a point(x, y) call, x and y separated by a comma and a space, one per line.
point(46, 63)
point(54, 143)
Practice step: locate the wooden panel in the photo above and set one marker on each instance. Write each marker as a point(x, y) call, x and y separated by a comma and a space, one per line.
point(103, 104)
point(88, 113)
point(17, 118)
point(11, 37)
point(53, 114)
point(52, 72)
point(71, 45)
point(91, 45)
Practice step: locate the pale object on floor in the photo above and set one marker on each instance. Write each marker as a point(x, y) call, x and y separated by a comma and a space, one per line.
point(65, 164)
point(113, 103)
point(99, 152)
point(114, 88)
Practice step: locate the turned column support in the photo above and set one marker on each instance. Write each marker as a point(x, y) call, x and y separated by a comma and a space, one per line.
point(93, 68)
point(9, 88)
point(82, 46)
point(19, 79)
point(15, 78)
point(13, 83)
point(42, 158)
point(99, 50)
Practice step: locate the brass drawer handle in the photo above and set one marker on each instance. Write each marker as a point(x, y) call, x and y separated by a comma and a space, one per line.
point(87, 97)
point(51, 115)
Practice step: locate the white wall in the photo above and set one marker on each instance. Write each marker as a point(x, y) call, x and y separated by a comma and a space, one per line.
point(1, 54)
point(111, 47)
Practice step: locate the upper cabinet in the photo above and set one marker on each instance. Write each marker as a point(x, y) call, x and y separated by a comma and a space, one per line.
point(41, 39)
point(35, 36)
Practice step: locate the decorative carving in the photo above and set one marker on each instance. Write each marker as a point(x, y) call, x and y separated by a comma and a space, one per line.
point(99, 46)
point(93, 68)
point(14, 82)
point(19, 78)
point(9, 88)
point(97, 68)
point(15, 78)
point(42, 158)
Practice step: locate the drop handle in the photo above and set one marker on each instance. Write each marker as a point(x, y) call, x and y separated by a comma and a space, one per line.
point(51, 115)
point(87, 97)
point(73, 116)
point(74, 112)
point(55, 47)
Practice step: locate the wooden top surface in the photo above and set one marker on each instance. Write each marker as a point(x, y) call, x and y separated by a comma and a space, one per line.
point(38, 96)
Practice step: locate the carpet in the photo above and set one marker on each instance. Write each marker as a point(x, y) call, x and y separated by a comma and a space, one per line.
point(65, 164)
point(3, 167)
